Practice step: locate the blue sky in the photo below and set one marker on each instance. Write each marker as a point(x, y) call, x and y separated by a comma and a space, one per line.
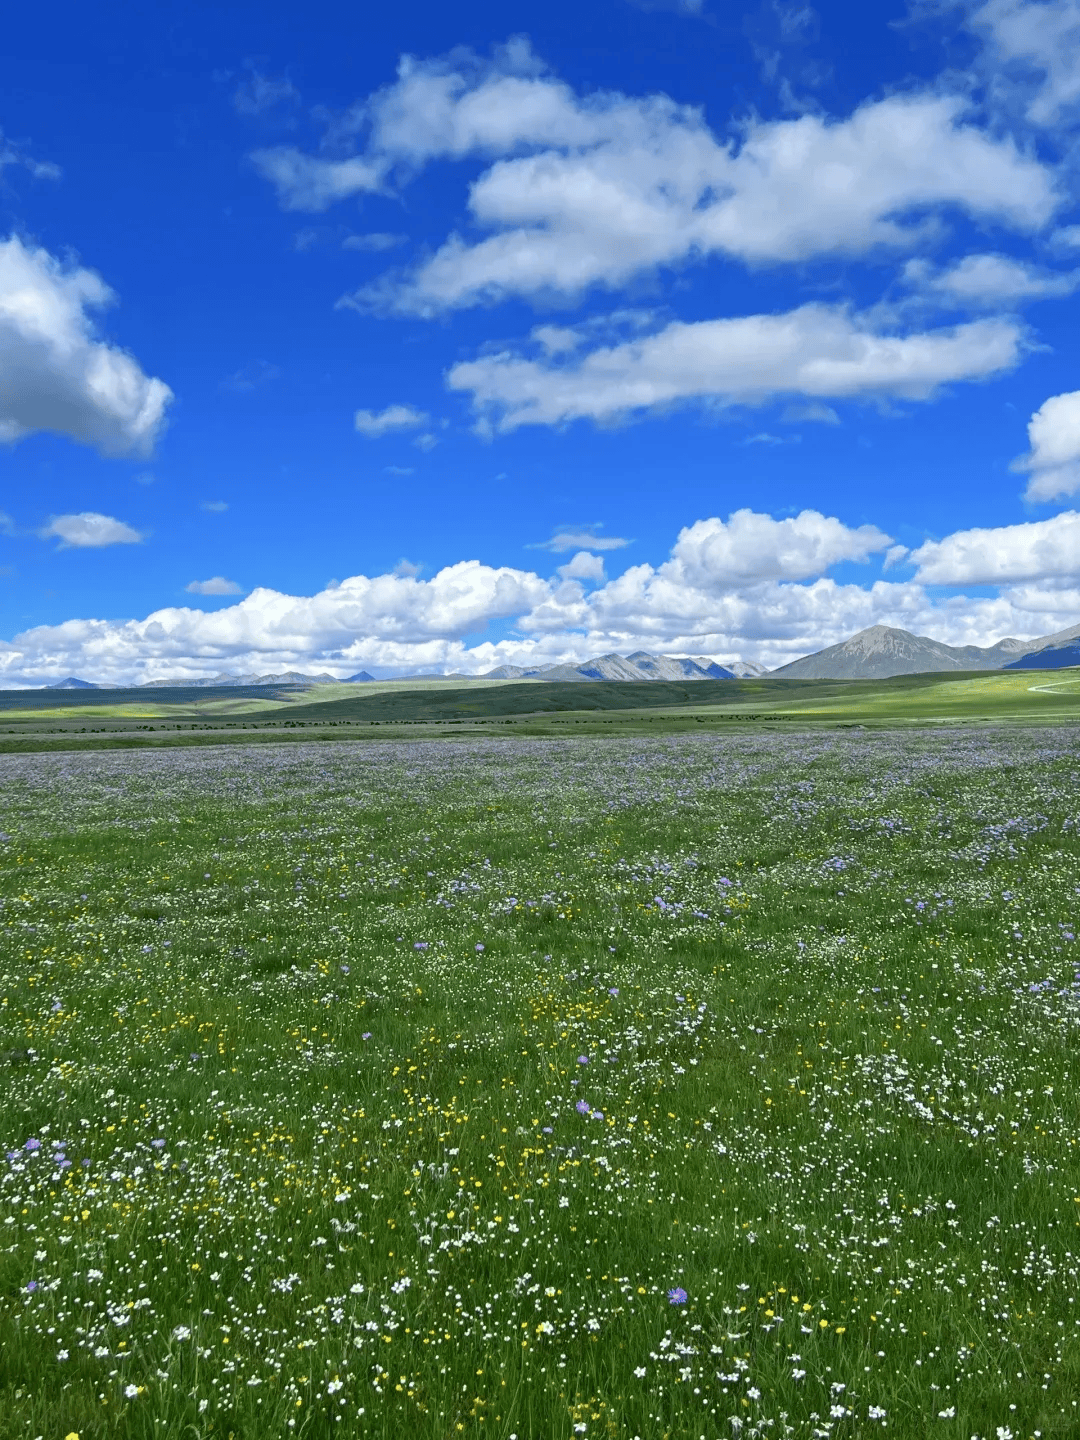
point(442, 337)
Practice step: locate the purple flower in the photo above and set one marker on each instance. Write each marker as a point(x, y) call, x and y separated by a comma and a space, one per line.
point(32, 1144)
point(597, 1115)
point(479, 949)
point(614, 990)
point(678, 1296)
point(583, 1107)
point(31, 1285)
point(344, 969)
point(158, 1144)
point(583, 1059)
point(547, 1130)
point(420, 945)
point(366, 1035)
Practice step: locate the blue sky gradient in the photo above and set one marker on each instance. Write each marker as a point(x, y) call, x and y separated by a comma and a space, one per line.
point(309, 356)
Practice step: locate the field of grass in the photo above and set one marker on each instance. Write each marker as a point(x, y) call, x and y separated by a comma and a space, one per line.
point(394, 710)
point(673, 1086)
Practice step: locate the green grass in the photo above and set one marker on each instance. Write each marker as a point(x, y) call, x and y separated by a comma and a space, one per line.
point(85, 720)
point(323, 1019)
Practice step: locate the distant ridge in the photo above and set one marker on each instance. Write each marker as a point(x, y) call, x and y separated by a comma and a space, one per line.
point(881, 651)
point(72, 683)
point(288, 677)
point(638, 666)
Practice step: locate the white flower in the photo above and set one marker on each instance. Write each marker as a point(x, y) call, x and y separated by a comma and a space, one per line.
point(356, 1289)
point(754, 1393)
point(61, 1355)
point(203, 1405)
point(876, 1413)
point(400, 1286)
point(181, 1333)
point(640, 1372)
point(130, 1391)
point(797, 1374)
point(1004, 1433)
point(334, 1386)
point(949, 1414)
point(838, 1411)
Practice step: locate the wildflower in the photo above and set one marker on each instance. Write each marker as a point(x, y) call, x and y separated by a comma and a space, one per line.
point(31, 1285)
point(677, 1296)
point(61, 1355)
point(876, 1413)
point(640, 1372)
point(614, 990)
point(583, 1107)
point(366, 1035)
point(479, 949)
point(181, 1333)
point(949, 1414)
point(334, 1386)
point(32, 1144)
point(583, 1059)
point(158, 1144)
point(130, 1391)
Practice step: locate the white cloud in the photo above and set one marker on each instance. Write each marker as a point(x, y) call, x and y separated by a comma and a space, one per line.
point(1054, 458)
point(217, 585)
point(1040, 550)
point(816, 351)
point(727, 589)
point(1031, 55)
point(568, 539)
point(593, 189)
point(748, 548)
point(55, 375)
point(215, 507)
point(426, 442)
point(89, 530)
point(989, 280)
point(373, 423)
point(306, 182)
point(584, 566)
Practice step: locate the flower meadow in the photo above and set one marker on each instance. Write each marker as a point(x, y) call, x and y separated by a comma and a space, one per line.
point(670, 1087)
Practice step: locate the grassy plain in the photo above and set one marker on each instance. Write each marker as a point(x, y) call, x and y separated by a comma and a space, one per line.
point(395, 710)
point(706, 1085)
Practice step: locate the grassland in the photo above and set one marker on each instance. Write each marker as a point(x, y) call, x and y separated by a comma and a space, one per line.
point(141, 719)
point(677, 1086)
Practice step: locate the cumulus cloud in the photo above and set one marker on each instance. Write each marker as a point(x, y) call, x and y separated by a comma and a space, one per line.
point(216, 585)
point(593, 189)
point(750, 586)
point(89, 531)
point(55, 374)
point(373, 423)
point(1053, 461)
point(989, 281)
point(816, 351)
point(1031, 55)
point(1040, 550)
point(748, 548)
point(583, 566)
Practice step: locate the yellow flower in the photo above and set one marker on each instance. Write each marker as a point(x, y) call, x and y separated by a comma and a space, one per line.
point(74, 1435)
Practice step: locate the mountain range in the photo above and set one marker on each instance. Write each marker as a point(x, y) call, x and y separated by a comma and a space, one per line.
point(873, 654)
point(638, 666)
point(881, 651)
